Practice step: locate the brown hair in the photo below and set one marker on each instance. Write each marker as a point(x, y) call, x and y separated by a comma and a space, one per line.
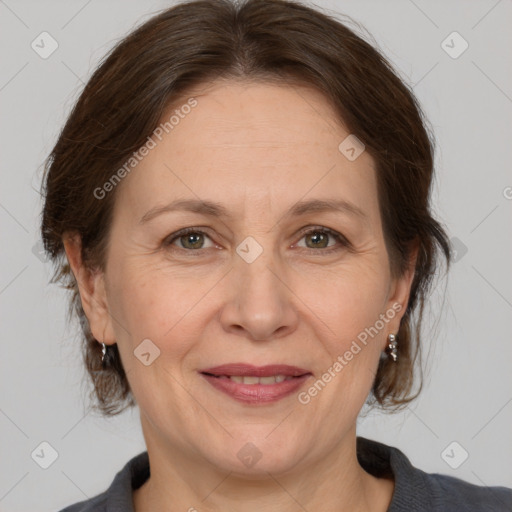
point(268, 40)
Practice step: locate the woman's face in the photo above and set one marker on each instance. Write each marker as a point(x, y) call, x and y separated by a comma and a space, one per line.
point(249, 285)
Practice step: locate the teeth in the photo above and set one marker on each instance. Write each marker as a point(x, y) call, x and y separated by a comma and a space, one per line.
point(247, 379)
point(268, 380)
point(251, 380)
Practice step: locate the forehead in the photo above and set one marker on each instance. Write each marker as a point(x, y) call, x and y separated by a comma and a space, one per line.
point(237, 115)
point(251, 143)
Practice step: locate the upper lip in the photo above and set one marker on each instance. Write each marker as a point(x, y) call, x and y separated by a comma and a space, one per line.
point(242, 369)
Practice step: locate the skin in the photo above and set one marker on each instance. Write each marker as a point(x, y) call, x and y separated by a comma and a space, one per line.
point(258, 149)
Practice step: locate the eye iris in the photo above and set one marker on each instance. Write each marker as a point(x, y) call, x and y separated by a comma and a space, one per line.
point(195, 240)
point(316, 237)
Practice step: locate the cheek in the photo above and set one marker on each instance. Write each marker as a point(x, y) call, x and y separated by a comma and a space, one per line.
point(348, 301)
point(353, 308)
point(154, 306)
point(169, 305)
point(150, 303)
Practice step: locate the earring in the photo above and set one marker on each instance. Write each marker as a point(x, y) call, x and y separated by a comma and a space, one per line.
point(103, 353)
point(392, 348)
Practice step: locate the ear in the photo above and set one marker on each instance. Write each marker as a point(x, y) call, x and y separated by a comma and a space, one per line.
point(91, 285)
point(400, 291)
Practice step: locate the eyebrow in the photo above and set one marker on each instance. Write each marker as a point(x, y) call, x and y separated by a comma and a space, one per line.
point(214, 209)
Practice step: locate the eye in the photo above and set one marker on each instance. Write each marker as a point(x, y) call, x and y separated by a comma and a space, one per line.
point(318, 238)
point(189, 239)
point(193, 239)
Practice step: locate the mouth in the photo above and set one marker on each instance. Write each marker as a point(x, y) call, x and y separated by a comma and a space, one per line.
point(252, 379)
point(256, 384)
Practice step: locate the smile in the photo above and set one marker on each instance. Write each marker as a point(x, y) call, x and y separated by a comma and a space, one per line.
point(256, 385)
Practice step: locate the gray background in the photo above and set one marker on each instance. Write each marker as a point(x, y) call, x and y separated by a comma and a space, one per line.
point(468, 393)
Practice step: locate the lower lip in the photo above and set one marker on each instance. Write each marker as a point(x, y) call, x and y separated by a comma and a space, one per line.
point(256, 393)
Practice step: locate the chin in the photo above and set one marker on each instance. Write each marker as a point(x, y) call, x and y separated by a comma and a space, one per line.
point(254, 456)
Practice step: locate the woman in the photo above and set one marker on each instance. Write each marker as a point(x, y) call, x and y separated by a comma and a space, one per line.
point(239, 202)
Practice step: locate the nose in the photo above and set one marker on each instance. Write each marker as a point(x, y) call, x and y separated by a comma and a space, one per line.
point(261, 305)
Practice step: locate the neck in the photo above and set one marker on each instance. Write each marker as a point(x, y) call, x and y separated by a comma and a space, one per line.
point(180, 482)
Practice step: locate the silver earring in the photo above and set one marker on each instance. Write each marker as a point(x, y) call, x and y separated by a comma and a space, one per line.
point(392, 348)
point(103, 352)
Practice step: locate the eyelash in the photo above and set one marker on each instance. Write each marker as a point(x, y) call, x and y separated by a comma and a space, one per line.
point(316, 229)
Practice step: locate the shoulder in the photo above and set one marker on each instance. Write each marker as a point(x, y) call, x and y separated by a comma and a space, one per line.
point(435, 492)
point(419, 491)
point(96, 504)
point(450, 493)
point(119, 496)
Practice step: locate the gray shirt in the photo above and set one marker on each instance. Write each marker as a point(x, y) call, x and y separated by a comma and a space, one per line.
point(415, 490)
